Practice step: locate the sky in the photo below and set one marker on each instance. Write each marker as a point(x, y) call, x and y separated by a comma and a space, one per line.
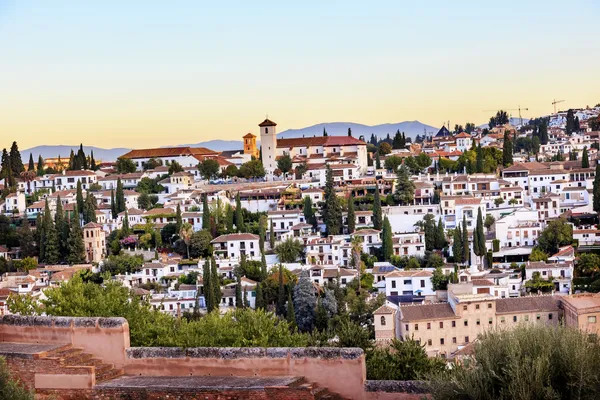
point(143, 73)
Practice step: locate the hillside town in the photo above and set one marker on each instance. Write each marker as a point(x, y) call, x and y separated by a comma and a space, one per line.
point(445, 236)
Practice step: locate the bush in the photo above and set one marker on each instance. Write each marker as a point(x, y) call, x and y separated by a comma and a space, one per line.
point(528, 362)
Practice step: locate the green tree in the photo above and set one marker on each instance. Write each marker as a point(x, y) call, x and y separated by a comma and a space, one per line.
point(332, 209)
point(384, 149)
point(392, 163)
point(351, 218)
point(289, 250)
point(175, 167)
point(465, 241)
point(79, 196)
point(587, 264)
point(405, 187)
point(377, 215)
point(205, 212)
point(239, 216)
point(585, 161)
point(239, 301)
point(16, 162)
point(125, 166)
point(75, 245)
point(457, 245)
point(479, 247)
point(51, 246)
point(507, 150)
point(252, 169)
point(113, 205)
point(11, 389)
point(215, 282)
point(556, 234)
point(403, 361)
point(200, 245)
point(440, 235)
point(386, 244)
point(178, 218)
point(62, 228)
point(538, 255)
point(209, 168)
point(89, 209)
point(120, 197)
point(280, 293)
point(284, 164)
point(596, 190)
point(207, 286)
point(260, 298)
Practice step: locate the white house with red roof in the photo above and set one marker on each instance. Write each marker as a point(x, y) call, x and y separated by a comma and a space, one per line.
point(411, 282)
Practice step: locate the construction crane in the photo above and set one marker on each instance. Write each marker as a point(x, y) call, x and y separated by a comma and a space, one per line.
point(555, 102)
point(513, 109)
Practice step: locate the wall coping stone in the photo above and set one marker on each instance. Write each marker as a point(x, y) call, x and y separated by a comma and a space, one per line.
point(415, 387)
point(62, 322)
point(326, 353)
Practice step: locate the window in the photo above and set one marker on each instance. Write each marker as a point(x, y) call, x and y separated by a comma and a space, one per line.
point(454, 340)
point(466, 322)
point(408, 282)
point(477, 306)
point(429, 325)
point(490, 321)
point(592, 319)
point(526, 318)
point(442, 341)
point(502, 320)
point(393, 284)
point(423, 283)
point(406, 326)
point(466, 339)
point(382, 320)
point(478, 322)
point(454, 324)
point(428, 342)
point(465, 308)
point(489, 305)
point(416, 327)
point(538, 316)
point(441, 325)
point(550, 316)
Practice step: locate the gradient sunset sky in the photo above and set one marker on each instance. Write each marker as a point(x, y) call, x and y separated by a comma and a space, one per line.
point(151, 73)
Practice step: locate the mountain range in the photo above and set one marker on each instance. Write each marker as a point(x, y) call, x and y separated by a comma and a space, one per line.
point(410, 128)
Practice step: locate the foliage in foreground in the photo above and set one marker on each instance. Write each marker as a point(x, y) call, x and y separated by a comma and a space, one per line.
point(10, 389)
point(529, 362)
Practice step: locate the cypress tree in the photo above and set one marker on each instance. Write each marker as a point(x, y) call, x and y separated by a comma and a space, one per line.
point(332, 212)
point(457, 249)
point(387, 244)
point(113, 205)
point(263, 266)
point(260, 298)
point(125, 227)
point(75, 242)
point(290, 313)
point(481, 248)
point(507, 150)
point(206, 285)
point(215, 283)
point(72, 161)
point(62, 228)
point(40, 166)
point(271, 235)
point(377, 218)
point(92, 161)
point(178, 219)
point(16, 163)
point(280, 310)
point(79, 197)
point(40, 236)
point(120, 197)
point(262, 233)
point(27, 241)
point(31, 166)
point(239, 301)
point(479, 159)
point(440, 236)
point(51, 246)
point(465, 240)
point(89, 209)
point(5, 169)
point(239, 217)
point(377, 161)
point(205, 213)
point(351, 216)
point(229, 221)
point(309, 214)
point(585, 161)
point(245, 302)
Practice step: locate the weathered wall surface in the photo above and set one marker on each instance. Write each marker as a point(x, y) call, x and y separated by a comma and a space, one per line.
point(106, 338)
point(396, 390)
point(340, 370)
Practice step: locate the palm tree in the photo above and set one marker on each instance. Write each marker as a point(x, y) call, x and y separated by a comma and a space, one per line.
point(186, 235)
point(289, 250)
point(28, 176)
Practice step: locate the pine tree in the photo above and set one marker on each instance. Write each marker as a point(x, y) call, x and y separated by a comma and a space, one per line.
point(387, 244)
point(239, 301)
point(280, 310)
point(79, 196)
point(585, 161)
point(290, 313)
point(62, 229)
point(76, 248)
point(351, 216)
point(457, 249)
point(239, 216)
point(465, 241)
point(215, 282)
point(31, 166)
point(332, 211)
point(377, 218)
point(178, 219)
point(51, 246)
point(205, 212)
point(405, 187)
point(40, 166)
point(16, 163)
point(120, 197)
point(113, 205)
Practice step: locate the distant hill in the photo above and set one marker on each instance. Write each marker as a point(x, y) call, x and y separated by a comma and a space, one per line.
point(218, 145)
point(410, 128)
point(64, 151)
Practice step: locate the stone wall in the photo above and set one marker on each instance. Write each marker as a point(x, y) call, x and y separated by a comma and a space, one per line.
point(397, 390)
point(106, 338)
point(340, 370)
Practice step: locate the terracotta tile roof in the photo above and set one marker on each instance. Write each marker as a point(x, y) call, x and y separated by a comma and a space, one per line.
point(267, 122)
point(92, 225)
point(74, 173)
point(482, 282)
point(384, 309)
point(248, 136)
point(319, 141)
point(468, 200)
point(409, 274)
point(367, 231)
point(424, 312)
point(168, 152)
point(235, 236)
point(527, 304)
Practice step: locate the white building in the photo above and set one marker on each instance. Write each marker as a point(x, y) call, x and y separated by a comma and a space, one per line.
point(234, 245)
point(416, 282)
